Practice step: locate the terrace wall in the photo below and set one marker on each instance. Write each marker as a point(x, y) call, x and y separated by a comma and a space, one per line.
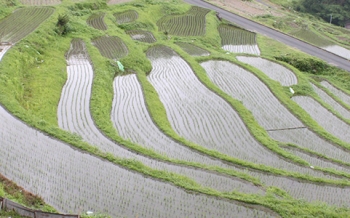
point(6, 204)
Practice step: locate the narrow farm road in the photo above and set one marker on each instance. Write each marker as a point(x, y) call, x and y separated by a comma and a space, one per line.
point(281, 37)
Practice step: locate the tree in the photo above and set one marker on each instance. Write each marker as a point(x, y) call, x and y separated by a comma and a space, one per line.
point(338, 9)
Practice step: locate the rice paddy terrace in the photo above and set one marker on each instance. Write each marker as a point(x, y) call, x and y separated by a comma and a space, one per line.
point(160, 109)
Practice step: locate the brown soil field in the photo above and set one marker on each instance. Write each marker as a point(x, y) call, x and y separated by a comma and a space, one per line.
point(114, 2)
point(249, 8)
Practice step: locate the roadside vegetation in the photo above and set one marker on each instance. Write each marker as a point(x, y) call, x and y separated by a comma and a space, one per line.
point(33, 72)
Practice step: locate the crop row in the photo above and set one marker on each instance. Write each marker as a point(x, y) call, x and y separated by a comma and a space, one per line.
point(126, 16)
point(341, 95)
point(273, 70)
point(255, 95)
point(192, 49)
point(40, 2)
point(111, 47)
point(238, 40)
point(247, 49)
point(74, 116)
point(142, 36)
point(316, 161)
point(190, 24)
point(200, 116)
point(97, 22)
point(324, 118)
point(21, 22)
point(282, 125)
point(130, 117)
point(72, 181)
point(330, 101)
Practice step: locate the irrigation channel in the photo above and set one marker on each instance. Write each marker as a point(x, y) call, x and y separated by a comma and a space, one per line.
point(73, 181)
point(256, 97)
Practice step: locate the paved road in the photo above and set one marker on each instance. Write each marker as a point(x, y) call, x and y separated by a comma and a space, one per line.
point(253, 26)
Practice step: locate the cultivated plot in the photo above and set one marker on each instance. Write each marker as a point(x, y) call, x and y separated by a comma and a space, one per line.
point(337, 92)
point(126, 16)
point(111, 47)
point(316, 161)
point(273, 70)
point(192, 49)
point(324, 118)
point(315, 39)
point(256, 97)
point(190, 24)
point(74, 116)
point(142, 36)
point(345, 113)
point(22, 22)
point(72, 181)
point(97, 22)
point(201, 116)
point(237, 40)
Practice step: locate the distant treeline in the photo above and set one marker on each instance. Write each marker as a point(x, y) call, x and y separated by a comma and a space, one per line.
point(337, 10)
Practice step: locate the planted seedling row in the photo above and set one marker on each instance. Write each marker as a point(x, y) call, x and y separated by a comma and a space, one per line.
point(237, 40)
point(142, 36)
point(200, 116)
point(111, 47)
point(273, 70)
point(40, 2)
point(190, 24)
point(330, 101)
point(255, 95)
point(126, 16)
point(192, 49)
point(74, 116)
point(73, 182)
point(324, 118)
point(22, 22)
point(97, 22)
point(337, 92)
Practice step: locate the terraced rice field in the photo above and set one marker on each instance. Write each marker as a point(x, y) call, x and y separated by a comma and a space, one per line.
point(338, 50)
point(22, 22)
point(40, 2)
point(73, 181)
point(345, 98)
point(345, 113)
point(324, 118)
point(190, 24)
point(74, 116)
point(142, 36)
point(97, 22)
point(273, 70)
point(200, 116)
point(315, 39)
point(255, 95)
point(111, 47)
point(192, 49)
point(116, 185)
point(126, 16)
point(237, 40)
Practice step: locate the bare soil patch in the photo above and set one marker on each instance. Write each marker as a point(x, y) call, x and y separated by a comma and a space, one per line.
point(248, 8)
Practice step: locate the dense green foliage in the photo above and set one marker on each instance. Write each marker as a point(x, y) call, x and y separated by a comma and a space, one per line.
point(337, 10)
